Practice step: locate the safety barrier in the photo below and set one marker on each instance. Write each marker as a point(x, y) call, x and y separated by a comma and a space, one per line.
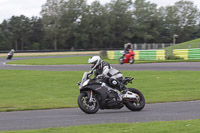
point(187, 54)
point(140, 54)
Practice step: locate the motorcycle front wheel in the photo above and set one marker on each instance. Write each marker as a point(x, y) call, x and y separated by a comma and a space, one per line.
point(9, 57)
point(136, 105)
point(89, 107)
point(121, 60)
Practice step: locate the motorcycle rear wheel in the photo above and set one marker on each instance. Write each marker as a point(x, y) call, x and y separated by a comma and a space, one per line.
point(86, 106)
point(131, 61)
point(136, 105)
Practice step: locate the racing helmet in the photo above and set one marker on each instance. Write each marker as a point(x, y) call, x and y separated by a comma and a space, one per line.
point(95, 61)
point(128, 45)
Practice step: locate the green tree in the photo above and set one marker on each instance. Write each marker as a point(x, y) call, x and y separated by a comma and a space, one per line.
point(72, 13)
point(95, 27)
point(51, 14)
point(20, 28)
point(5, 36)
point(36, 35)
point(147, 21)
point(181, 19)
point(120, 20)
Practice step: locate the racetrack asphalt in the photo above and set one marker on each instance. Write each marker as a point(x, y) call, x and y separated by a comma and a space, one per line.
point(37, 119)
point(176, 66)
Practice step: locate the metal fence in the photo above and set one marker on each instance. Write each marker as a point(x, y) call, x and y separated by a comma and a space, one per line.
point(148, 46)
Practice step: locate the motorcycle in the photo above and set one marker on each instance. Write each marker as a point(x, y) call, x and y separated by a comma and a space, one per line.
point(127, 58)
point(10, 54)
point(9, 57)
point(96, 94)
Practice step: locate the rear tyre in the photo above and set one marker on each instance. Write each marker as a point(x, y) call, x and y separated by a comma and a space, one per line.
point(86, 106)
point(136, 105)
point(131, 61)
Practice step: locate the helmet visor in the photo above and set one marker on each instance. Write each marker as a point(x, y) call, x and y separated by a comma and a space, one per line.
point(92, 65)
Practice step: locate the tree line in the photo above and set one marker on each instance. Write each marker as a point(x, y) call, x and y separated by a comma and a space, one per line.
point(74, 23)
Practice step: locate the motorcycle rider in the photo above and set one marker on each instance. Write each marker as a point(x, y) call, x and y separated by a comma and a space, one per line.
point(128, 47)
point(10, 54)
point(104, 70)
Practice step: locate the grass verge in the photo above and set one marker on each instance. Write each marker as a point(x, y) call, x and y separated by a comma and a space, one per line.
point(28, 90)
point(186, 126)
point(53, 61)
point(192, 44)
point(51, 53)
point(80, 60)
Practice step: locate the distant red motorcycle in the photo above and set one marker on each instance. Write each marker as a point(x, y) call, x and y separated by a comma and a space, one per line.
point(127, 57)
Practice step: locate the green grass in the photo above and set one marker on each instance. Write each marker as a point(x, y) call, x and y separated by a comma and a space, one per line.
point(186, 126)
point(53, 61)
point(79, 60)
point(193, 44)
point(28, 90)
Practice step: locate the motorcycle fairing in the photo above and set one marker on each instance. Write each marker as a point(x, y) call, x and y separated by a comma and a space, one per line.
point(98, 89)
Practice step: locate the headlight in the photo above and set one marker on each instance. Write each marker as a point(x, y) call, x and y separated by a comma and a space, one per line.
point(86, 82)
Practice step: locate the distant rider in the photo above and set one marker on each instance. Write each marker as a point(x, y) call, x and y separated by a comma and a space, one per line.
point(103, 69)
point(10, 54)
point(127, 48)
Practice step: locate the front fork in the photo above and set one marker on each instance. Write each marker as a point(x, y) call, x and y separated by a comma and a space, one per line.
point(91, 93)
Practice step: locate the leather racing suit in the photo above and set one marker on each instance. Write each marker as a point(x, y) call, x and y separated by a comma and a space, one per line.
point(113, 76)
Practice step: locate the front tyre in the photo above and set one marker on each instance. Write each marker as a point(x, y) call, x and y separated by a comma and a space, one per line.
point(121, 60)
point(136, 105)
point(86, 106)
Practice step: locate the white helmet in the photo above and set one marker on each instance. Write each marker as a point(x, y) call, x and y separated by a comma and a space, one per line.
point(95, 60)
